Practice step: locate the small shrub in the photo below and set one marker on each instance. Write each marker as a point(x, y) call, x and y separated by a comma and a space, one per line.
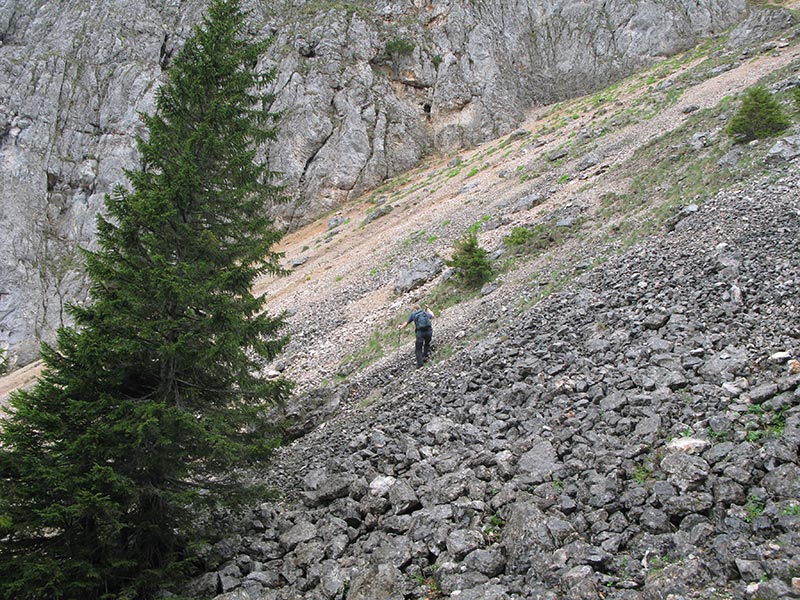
point(475, 227)
point(775, 423)
point(437, 60)
point(754, 508)
point(642, 473)
point(471, 262)
point(754, 436)
point(792, 510)
point(760, 115)
point(399, 46)
point(494, 526)
point(519, 236)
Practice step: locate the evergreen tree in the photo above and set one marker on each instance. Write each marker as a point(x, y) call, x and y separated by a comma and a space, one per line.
point(152, 402)
point(470, 261)
point(760, 115)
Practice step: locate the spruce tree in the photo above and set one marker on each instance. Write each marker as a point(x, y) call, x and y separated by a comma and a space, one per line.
point(153, 401)
point(760, 115)
point(470, 261)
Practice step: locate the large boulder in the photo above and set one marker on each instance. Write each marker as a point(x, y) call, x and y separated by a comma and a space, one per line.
point(418, 274)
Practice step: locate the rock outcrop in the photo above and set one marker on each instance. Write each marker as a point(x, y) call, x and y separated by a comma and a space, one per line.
point(367, 89)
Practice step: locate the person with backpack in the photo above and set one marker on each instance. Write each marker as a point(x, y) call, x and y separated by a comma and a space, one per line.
point(421, 317)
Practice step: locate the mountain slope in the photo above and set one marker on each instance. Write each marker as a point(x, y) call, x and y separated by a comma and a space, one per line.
point(633, 436)
point(366, 90)
point(618, 418)
point(343, 292)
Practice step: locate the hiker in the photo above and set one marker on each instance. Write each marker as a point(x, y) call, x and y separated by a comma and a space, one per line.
point(422, 327)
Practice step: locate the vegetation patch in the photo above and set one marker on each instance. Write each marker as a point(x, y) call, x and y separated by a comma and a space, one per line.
point(764, 423)
point(419, 236)
point(470, 261)
point(446, 294)
point(759, 116)
point(642, 473)
point(399, 47)
point(540, 237)
point(754, 508)
point(545, 285)
point(494, 527)
point(426, 579)
point(384, 338)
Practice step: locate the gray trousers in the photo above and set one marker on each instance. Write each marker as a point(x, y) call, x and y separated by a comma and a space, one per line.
point(422, 345)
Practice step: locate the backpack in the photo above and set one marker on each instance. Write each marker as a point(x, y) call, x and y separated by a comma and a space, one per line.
point(422, 319)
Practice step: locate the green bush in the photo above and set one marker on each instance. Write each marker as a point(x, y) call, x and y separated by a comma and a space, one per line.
point(519, 236)
point(536, 239)
point(760, 115)
point(470, 261)
point(398, 46)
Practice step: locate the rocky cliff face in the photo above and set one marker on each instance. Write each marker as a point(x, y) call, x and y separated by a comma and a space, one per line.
point(367, 89)
point(370, 88)
point(74, 76)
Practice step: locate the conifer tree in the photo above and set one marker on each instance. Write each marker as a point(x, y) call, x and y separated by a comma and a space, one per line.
point(150, 404)
point(470, 261)
point(760, 115)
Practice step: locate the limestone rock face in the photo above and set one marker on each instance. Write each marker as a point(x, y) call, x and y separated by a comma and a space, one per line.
point(366, 91)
